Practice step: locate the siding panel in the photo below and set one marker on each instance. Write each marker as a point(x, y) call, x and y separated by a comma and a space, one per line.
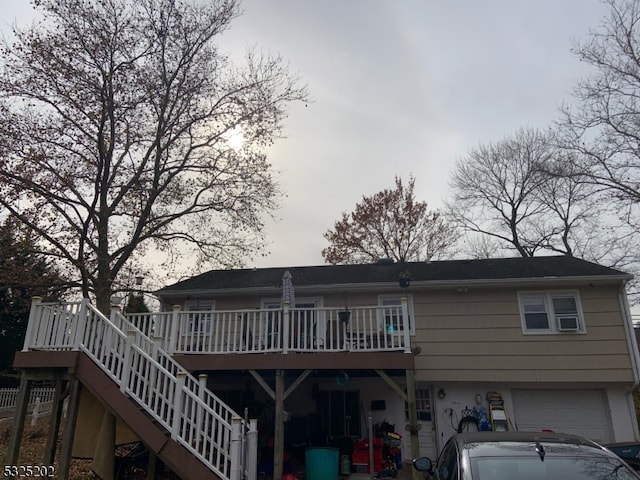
point(477, 336)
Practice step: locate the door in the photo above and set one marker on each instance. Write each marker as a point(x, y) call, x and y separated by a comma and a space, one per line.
point(340, 410)
point(426, 434)
point(580, 412)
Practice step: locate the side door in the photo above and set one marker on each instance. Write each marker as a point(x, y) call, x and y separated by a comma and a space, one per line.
point(426, 434)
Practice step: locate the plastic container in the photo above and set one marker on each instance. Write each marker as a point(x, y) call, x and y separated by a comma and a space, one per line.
point(321, 463)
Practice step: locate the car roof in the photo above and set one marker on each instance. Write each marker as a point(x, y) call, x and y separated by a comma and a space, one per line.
point(486, 443)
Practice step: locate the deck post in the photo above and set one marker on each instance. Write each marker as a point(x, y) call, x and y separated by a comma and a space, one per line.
point(177, 404)
point(278, 440)
point(235, 453)
point(252, 449)
point(22, 405)
point(127, 361)
point(413, 426)
point(406, 325)
point(80, 324)
point(202, 390)
point(69, 428)
point(286, 314)
point(31, 325)
point(152, 465)
point(54, 425)
point(173, 335)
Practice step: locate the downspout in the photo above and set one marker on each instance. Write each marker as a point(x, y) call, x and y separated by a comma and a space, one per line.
point(634, 354)
point(631, 337)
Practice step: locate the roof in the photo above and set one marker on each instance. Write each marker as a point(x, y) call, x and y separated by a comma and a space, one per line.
point(438, 272)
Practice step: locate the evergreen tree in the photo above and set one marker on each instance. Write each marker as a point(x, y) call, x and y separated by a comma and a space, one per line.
point(24, 273)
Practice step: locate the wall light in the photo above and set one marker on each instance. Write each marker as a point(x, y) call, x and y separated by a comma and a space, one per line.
point(441, 393)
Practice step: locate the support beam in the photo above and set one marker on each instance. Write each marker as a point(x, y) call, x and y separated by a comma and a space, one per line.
point(13, 449)
point(69, 428)
point(297, 382)
point(152, 465)
point(278, 446)
point(393, 384)
point(54, 424)
point(413, 426)
point(263, 384)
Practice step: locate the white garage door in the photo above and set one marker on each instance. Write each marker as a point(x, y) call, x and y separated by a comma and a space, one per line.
point(580, 412)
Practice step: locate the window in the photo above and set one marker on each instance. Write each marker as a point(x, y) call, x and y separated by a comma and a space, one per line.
point(306, 327)
point(551, 312)
point(390, 317)
point(423, 405)
point(200, 317)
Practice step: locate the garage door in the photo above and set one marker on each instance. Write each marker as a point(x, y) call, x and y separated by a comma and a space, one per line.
point(580, 412)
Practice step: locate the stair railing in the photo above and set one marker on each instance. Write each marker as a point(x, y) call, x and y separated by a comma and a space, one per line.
point(193, 416)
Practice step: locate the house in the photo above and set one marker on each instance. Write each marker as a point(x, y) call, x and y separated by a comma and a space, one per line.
point(541, 343)
point(552, 335)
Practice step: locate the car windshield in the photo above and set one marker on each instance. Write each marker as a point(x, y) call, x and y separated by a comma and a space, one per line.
point(552, 468)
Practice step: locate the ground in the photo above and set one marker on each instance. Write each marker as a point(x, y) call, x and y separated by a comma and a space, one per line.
point(32, 452)
point(35, 437)
point(33, 445)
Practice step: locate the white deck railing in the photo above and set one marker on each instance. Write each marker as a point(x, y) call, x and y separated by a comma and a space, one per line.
point(367, 328)
point(176, 400)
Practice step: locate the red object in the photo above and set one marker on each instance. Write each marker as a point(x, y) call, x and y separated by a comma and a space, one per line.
point(361, 457)
point(364, 444)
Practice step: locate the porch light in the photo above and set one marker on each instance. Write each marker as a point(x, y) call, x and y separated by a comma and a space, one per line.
point(441, 394)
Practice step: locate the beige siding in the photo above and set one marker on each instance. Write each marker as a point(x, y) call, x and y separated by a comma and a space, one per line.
point(477, 336)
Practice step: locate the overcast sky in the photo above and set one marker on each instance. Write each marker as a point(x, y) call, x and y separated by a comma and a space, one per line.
point(399, 87)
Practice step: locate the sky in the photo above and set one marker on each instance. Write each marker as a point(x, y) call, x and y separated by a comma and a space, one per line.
point(399, 87)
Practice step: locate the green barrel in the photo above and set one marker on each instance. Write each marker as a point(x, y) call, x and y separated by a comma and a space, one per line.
point(321, 463)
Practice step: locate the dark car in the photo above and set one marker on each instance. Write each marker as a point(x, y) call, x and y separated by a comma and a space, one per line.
point(524, 456)
point(628, 451)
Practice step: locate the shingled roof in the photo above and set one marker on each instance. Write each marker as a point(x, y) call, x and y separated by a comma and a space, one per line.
point(432, 272)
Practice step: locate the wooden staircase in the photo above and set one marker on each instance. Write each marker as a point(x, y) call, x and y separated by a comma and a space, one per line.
point(174, 415)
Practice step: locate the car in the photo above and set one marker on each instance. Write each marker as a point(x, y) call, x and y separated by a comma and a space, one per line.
point(628, 451)
point(524, 456)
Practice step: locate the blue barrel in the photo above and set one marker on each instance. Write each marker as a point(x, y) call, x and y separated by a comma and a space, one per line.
point(321, 463)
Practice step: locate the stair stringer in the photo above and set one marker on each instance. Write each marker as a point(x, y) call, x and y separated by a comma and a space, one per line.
point(181, 461)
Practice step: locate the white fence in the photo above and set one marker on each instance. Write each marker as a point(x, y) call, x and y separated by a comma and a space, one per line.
point(9, 397)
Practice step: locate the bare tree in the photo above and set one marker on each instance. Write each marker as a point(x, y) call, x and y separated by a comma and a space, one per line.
point(600, 131)
point(390, 224)
point(529, 195)
point(603, 127)
point(495, 191)
point(119, 133)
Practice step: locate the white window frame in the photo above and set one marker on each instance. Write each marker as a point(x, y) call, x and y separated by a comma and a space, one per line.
point(382, 299)
point(200, 305)
point(548, 296)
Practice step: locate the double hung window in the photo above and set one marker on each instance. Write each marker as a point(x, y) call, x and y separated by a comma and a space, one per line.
point(551, 312)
